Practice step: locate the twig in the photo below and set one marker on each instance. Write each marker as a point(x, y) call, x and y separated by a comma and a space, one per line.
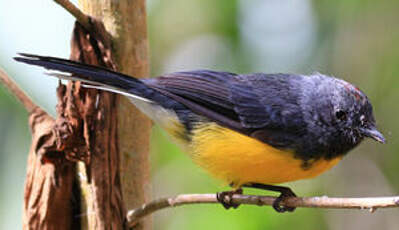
point(82, 18)
point(18, 92)
point(369, 203)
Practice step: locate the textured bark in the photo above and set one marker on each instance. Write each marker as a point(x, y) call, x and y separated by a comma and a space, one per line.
point(125, 21)
point(85, 131)
point(93, 113)
point(104, 133)
point(48, 186)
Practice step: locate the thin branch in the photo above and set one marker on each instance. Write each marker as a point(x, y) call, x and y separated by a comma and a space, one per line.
point(17, 92)
point(82, 18)
point(369, 203)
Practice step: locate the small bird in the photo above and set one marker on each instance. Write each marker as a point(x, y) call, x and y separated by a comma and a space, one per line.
point(249, 130)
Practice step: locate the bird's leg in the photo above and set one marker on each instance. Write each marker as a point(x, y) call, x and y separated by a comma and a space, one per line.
point(225, 198)
point(284, 193)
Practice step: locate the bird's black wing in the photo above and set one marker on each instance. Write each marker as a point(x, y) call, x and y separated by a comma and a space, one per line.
point(249, 104)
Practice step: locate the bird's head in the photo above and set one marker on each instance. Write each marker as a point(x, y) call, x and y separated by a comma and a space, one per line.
point(341, 114)
point(354, 112)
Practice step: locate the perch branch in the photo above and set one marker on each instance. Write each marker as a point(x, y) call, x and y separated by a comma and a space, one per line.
point(369, 203)
point(18, 92)
point(82, 18)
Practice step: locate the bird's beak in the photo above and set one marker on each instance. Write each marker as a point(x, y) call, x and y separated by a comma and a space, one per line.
point(372, 132)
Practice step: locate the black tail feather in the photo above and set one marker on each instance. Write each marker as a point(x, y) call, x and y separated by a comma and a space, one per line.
point(84, 72)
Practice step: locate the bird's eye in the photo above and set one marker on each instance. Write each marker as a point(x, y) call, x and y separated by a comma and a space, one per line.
point(341, 115)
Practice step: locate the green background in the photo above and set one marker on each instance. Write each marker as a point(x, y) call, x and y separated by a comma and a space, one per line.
point(356, 40)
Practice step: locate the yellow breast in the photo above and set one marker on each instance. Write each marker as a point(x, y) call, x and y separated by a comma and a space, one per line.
point(239, 159)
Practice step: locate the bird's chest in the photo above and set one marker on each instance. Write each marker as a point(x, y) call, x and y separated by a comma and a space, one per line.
point(239, 159)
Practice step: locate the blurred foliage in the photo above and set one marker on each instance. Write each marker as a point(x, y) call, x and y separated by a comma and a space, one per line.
point(14, 146)
point(355, 40)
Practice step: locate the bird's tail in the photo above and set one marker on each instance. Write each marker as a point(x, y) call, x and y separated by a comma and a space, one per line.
point(157, 106)
point(91, 76)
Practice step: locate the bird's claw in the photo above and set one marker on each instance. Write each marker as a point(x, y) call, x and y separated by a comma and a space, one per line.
point(277, 203)
point(225, 198)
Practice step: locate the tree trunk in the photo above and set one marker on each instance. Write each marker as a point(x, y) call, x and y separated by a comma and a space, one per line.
point(126, 22)
point(104, 133)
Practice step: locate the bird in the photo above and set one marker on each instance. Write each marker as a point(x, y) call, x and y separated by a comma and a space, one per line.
point(248, 130)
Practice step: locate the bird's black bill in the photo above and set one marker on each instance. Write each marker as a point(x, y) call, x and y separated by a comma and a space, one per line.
point(373, 133)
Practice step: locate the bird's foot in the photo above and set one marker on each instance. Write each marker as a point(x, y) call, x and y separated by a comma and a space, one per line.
point(283, 195)
point(285, 192)
point(226, 198)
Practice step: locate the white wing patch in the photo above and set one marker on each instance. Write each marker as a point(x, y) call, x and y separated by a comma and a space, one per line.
point(165, 118)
